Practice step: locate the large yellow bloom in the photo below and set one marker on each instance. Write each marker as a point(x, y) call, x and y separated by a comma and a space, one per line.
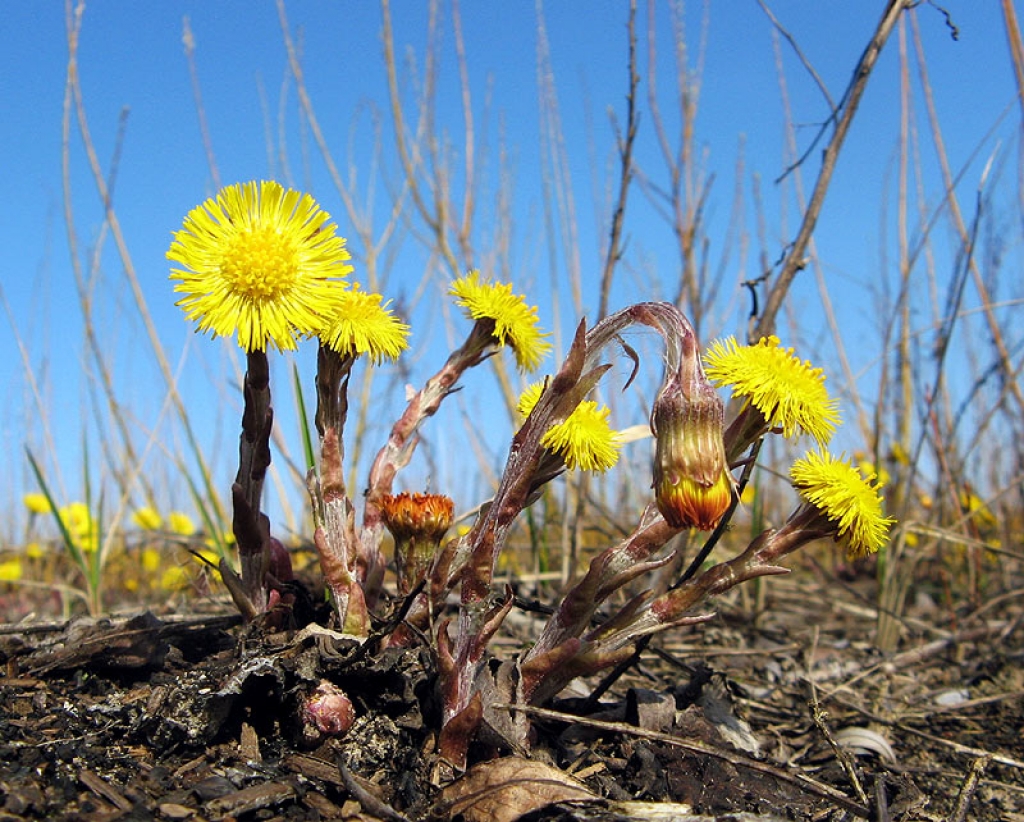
point(260, 260)
point(848, 500)
point(585, 440)
point(789, 393)
point(363, 326)
point(515, 322)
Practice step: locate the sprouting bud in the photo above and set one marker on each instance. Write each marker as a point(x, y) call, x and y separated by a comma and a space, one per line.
point(326, 712)
point(418, 522)
point(280, 561)
point(692, 483)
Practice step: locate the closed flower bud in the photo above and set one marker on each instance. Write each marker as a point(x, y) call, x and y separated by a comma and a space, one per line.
point(692, 483)
point(326, 712)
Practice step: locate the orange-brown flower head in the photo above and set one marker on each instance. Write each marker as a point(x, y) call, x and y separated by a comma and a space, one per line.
point(692, 484)
point(418, 522)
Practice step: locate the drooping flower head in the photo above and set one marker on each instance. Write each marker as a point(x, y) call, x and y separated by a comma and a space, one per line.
point(844, 501)
point(585, 440)
point(262, 261)
point(515, 322)
point(363, 325)
point(693, 487)
point(692, 483)
point(787, 393)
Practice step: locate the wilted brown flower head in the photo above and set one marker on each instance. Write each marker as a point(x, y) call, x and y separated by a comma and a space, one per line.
point(418, 522)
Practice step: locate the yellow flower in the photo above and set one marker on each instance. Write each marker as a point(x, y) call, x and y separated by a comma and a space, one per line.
point(973, 506)
point(147, 519)
point(867, 467)
point(515, 322)
point(10, 570)
point(35, 551)
point(363, 326)
point(788, 392)
point(78, 520)
point(260, 260)
point(36, 503)
point(151, 560)
point(851, 503)
point(180, 523)
point(585, 440)
point(175, 578)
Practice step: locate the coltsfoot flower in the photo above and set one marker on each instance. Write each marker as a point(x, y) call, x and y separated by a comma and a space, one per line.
point(585, 440)
point(81, 526)
point(362, 325)
point(181, 523)
point(147, 519)
point(10, 570)
point(418, 522)
point(692, 483)
point(788, 394)
point(262, 261)
point(515, 322)
point(841, 500)
point(36, 503)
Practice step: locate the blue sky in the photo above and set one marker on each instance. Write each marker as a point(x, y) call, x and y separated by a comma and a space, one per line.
point(131, 59)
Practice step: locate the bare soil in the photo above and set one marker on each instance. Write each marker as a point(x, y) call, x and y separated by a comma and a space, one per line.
point(788, 712)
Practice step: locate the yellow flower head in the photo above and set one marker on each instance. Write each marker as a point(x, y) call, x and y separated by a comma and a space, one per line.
point(515, 322)
point(363, 326)
point(585, 440)
point(81, 526)
point(849, 501)
point(181, 523)
point(175, 578)
point(261, 260)
point(788, 392)
point(10, 570)
point(36, 503)
point(151, 560)
point(147, 519)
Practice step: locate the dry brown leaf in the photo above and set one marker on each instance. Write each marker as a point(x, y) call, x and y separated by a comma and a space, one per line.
point(502, 790)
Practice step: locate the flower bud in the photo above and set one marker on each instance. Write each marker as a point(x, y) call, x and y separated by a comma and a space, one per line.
point(418, 522)
point(692, 483)
point(326, 712)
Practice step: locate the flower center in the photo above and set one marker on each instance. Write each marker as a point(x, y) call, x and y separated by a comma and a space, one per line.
point(259, 263)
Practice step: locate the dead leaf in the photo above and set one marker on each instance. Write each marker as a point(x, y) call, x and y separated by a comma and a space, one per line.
point(502, 790)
